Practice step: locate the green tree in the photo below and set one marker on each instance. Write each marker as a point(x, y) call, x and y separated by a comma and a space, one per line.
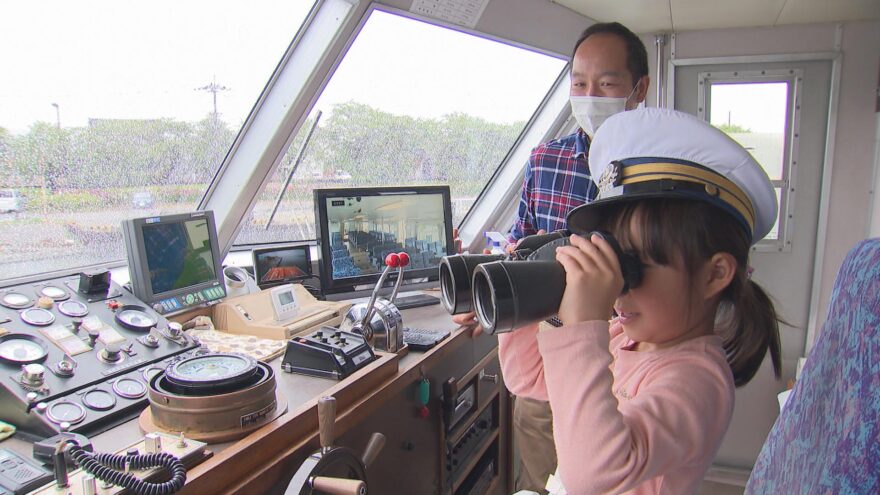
point(132, 153)
point(39, 156)
point(733, 128)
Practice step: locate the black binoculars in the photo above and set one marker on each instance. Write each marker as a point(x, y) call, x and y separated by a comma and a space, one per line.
point(526, 286)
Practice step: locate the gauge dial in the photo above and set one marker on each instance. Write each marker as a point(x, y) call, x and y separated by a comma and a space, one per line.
point(37, 316)
point(65, 411)
point(150, 372)
point(54, 292)
point(135, 318)
point(16, 300)
point(99, 400)
point(129, 388)
point(75, 309)
point(21, 349)
point(211, 369)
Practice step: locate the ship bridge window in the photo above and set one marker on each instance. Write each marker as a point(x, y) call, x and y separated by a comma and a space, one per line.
point(759, 110)
point(113, 110)
point(411, 103)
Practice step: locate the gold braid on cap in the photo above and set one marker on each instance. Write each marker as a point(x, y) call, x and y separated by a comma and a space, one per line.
point(715, 185)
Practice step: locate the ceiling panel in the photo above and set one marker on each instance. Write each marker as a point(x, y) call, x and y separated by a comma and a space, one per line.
point(804, 11)
point(641, 16)
point(690, 15)
point(652, 16)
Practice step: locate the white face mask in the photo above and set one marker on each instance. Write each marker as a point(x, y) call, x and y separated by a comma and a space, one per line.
point(591, 111)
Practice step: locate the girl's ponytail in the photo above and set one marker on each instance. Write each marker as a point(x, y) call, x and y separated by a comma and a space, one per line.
point(750, 326)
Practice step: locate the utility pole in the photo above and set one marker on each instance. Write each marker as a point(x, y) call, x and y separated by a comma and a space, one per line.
point(57, 115)
point(213, 88)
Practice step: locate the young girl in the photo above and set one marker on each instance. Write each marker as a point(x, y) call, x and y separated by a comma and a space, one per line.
point(641, 404)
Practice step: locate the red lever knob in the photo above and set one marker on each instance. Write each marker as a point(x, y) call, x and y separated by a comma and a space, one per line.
point(404, 258)
point(392, 260)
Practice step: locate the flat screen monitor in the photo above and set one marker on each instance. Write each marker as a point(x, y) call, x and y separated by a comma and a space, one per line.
point(281, 265)
point(358, 227)
point(174, 260)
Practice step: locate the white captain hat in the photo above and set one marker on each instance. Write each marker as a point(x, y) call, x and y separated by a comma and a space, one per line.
point(661, 153)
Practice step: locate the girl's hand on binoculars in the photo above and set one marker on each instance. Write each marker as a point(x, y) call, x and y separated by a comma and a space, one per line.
point(592, 277)
point(469, 320)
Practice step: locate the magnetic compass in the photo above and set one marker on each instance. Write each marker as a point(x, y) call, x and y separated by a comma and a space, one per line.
point(220, 396)
point(16, 300)
point(212, 373)
point(19, 348)
point(135, 318)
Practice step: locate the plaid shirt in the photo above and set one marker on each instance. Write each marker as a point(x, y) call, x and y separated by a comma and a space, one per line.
point(557, 180)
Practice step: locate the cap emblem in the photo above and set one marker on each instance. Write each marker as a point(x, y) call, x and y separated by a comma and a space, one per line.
point(611, 177)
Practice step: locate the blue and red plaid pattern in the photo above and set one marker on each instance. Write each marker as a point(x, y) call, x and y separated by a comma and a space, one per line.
point(557, 179)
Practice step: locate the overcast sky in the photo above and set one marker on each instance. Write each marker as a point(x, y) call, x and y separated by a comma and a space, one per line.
point(757, 107)
point(125, 60)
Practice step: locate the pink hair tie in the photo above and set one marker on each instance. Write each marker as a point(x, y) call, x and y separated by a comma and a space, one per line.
point(749, 271)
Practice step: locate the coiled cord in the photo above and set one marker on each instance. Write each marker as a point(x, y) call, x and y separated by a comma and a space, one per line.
point(106, 467)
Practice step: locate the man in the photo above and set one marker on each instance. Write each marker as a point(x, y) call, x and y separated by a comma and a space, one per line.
point(609, 74)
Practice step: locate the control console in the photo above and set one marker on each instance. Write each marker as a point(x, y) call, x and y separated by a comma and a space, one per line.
point(327, 352)
point(188, 299)
point(78, 356)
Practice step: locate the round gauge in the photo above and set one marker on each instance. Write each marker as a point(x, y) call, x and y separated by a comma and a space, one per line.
point(99, 400)
point(135, 318)
point(65, 411)
point(129, 388)
point(212, 369)
point(53, 291)
point(75, 309)
point(149, 373)
point(18, 348)
point(37, 316)
point(16, 300)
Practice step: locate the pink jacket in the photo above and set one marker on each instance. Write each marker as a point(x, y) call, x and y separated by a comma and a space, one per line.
point(624, 421)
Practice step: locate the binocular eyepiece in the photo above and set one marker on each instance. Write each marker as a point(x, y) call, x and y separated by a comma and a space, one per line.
point(523, 287)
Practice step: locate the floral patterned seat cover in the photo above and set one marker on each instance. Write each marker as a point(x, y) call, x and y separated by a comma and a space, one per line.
point(827, 438)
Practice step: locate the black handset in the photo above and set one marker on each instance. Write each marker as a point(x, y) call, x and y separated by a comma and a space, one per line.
point(19, 474)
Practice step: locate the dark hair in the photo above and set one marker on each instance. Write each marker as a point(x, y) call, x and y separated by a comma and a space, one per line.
point(636, 54)
point(746, 319)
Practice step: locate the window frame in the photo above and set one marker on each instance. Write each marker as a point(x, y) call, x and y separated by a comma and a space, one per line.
point(787, 184)
point(280, 111)
point(269, 126)
point(497, 203)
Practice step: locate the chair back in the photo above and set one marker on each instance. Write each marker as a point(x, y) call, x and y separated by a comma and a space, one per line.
point(827, 438)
